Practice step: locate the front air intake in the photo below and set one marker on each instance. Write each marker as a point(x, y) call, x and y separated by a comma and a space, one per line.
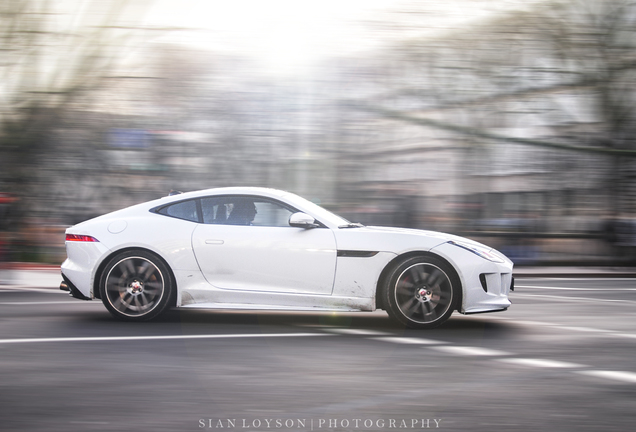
point(482, 279)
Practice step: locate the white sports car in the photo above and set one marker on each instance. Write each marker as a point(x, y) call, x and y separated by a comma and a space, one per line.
point(257, 248)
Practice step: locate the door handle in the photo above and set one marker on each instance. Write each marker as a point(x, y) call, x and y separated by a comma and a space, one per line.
point(214, 242)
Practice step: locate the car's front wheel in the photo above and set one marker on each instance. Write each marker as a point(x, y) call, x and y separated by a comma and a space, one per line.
point(421, 292)
point(136, 286)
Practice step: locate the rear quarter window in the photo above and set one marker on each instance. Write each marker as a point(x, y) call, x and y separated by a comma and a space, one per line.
point(186, 210)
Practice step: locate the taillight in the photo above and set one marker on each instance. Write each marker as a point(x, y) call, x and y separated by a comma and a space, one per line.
point(80, 238)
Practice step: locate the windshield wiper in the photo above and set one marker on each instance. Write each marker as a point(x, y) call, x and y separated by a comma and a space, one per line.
point(352, 225)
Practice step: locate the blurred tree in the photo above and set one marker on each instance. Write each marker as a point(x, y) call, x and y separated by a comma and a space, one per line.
point(592, 43)
point(565, 68)
point(52, 56)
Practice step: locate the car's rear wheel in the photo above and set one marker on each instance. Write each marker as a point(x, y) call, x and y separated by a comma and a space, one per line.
point(136, 286)
point(421, 292)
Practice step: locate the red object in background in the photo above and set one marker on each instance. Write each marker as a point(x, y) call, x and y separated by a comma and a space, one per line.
point(6, 198)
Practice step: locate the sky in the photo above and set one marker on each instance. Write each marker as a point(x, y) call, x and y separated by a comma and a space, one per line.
point(288, 35)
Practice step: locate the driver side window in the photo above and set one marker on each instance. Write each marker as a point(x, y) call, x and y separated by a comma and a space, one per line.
point(245, 210)
point(271, 214)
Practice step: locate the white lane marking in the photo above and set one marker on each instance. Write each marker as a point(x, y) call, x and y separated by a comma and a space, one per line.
point(530, 323)
point(361, 332)
point(609, 279)
point(583, 329)
point(613, 333)
point(572, 288)
point(629, 377)
point(627, 335)
point(165, 337)
point(49, 302)
point(409, 341)
point(503, 318)
point(584, 299)
point(604, 332)
point(470, 351)
point(535, 363)
point(540, 363)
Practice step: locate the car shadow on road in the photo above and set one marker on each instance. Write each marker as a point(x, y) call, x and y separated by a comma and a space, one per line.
point(356, 322)
point(199, 321)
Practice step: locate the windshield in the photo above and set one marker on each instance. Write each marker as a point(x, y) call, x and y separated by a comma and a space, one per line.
point(323, 215)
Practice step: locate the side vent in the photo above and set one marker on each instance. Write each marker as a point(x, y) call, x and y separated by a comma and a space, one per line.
point(482, 279)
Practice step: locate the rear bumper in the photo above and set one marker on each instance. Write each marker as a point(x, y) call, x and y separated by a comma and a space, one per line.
point(67, 285)
point(79, 267)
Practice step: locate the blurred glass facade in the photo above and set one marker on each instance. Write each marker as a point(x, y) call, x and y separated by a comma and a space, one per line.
point(516, 128)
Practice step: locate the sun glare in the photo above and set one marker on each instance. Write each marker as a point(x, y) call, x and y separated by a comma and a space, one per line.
point(283, 35)
point(289, 36)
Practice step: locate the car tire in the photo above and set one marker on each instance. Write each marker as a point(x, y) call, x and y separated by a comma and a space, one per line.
point(136, 285)
point(421, 292)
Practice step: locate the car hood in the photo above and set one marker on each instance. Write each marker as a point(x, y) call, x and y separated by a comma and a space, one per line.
point(443, 237)
point(396, 240)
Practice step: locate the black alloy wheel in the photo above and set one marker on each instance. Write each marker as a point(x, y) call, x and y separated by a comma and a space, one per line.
point(421, 292)
point(136, 286)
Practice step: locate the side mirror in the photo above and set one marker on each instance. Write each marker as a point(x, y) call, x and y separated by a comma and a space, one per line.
point(302, 220)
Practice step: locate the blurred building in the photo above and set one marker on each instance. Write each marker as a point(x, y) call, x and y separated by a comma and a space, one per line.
point(483, 131)
point(491, 132)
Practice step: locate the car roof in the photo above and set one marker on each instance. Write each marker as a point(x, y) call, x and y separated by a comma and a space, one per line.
point(268, 192)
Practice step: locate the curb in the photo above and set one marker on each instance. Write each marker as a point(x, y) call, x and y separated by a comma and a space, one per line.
point(28, 266)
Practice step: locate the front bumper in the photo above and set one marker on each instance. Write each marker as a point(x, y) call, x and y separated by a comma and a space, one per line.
point(486, 284)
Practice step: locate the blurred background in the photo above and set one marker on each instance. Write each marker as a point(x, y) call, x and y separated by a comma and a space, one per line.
point(511, 122)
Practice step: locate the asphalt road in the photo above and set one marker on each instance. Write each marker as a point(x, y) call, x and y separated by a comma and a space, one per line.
point(562, 358)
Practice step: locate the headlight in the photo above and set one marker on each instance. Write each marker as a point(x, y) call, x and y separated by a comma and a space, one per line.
point(478, 250)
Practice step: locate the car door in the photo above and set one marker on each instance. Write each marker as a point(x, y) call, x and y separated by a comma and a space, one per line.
point(246, 243)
